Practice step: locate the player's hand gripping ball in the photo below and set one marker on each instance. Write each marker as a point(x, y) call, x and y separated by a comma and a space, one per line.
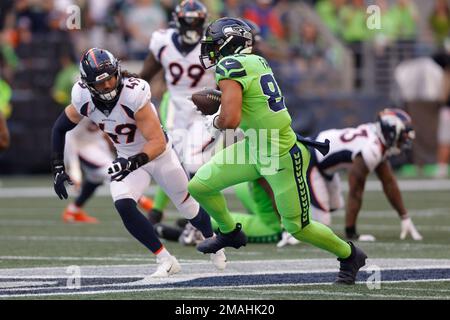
point(207, 100)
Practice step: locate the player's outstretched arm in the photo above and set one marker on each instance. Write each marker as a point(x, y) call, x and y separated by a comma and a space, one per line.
point(392, 192)
point(4, 134)
point(357, 179)
point(151, 67)
point(150, 127)
point(390, 188)
point(230, 112)
point(67, 120)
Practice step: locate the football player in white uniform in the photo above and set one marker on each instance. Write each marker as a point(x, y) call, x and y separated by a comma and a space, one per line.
point(88, 153)
point(176, 51)
point(86, 150)
point(120, 106)
point(361, 150)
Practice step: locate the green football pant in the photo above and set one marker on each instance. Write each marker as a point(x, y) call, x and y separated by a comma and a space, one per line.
point(260, 225)
point(288, 183)
point(161, 199)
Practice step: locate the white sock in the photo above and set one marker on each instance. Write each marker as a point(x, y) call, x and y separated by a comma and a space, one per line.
point(163, 253)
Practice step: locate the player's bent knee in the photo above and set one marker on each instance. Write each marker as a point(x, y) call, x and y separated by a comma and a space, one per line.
point(195, 187)
point(291, 225)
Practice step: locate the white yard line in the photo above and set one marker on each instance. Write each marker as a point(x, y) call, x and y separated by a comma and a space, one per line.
point(64, 238)
point(240, 288)
point(372, 185)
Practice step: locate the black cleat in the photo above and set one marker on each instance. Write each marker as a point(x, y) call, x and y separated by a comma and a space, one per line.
point(350, 266)
point(235, 239)
point(164, 231)
point(181, 223)
point(155, 216)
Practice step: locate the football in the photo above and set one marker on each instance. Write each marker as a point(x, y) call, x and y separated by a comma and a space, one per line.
point(207, 100)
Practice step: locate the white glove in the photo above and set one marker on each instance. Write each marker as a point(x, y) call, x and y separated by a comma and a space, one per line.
point(408, 227)
point(287, 238)
point(210, 126)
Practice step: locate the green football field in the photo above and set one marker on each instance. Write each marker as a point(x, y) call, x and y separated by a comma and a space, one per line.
point(43, 258)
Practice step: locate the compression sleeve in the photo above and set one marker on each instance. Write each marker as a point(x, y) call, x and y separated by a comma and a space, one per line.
point(61, 126)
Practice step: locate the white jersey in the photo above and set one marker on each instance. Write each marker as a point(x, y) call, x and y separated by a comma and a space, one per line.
point(119, 123)
point(85, 133)
point(346, 144)
point(183, 73)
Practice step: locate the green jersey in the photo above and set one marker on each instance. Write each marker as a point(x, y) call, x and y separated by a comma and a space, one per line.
point(263, 104)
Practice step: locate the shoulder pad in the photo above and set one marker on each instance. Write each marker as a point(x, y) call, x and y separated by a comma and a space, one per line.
point(135, 93)
point(231, 67)
point(80, 98)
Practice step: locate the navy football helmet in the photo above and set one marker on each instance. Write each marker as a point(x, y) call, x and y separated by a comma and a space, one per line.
point(224, 37)
point(255, 30)
point(190, 18)
point(395, 130)
point(96, 66)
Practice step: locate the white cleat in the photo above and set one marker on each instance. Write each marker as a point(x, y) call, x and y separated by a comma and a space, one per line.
point(366, 238)
point(287, 239)
point(219, 259)
point(166, 267)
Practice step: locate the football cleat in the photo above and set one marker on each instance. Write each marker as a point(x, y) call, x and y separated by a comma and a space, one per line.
point(287, 239)
point(366, 238)
point(235, 239)
point(350, 266)
point(219, 259)
point(145, 203)
point(167, 232)
point(77, 217)
point(166, 267)
point(155, 216)
point(190, 236)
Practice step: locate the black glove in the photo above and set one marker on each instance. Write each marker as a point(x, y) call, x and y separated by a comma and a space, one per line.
point(122, 167)
point(59, 177)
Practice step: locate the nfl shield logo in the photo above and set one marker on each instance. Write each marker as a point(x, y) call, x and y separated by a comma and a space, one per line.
point(107, 113)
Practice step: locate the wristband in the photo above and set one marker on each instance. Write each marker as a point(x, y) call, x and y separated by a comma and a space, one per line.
point(138, 160)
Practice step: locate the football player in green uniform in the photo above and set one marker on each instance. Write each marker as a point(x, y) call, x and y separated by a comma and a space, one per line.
point(252, 100)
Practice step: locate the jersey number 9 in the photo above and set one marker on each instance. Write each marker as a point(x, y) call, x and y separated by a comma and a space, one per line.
point(195, 72)
point(270, 89)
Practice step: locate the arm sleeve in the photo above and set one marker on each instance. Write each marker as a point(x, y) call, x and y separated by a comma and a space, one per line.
point(61, 126)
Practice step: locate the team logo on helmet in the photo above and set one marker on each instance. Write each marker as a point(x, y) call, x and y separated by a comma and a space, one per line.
point(224, 37)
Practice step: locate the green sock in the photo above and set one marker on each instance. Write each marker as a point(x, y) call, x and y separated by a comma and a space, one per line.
point(161, 199)
point(323, 237)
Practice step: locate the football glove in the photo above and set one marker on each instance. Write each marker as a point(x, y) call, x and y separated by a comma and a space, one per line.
point(407, 227)
point(211, 126)
point(59, 177)
point(122, 167)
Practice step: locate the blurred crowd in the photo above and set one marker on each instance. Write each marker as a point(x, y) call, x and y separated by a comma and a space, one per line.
point(313, 45)
point(125, 26)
